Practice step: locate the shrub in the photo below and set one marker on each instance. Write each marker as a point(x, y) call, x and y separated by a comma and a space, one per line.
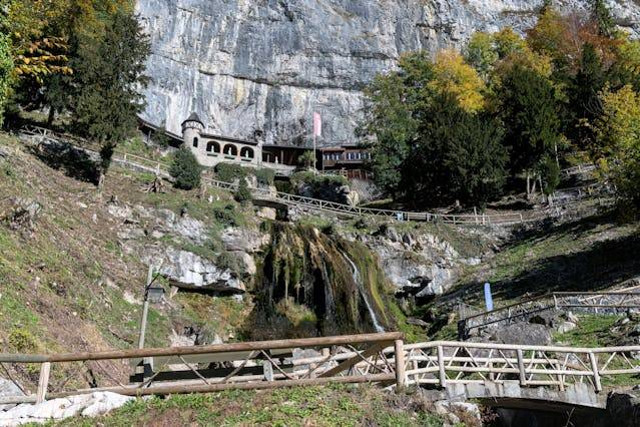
point(228, 261)
point(243, 194)
point(229, 172)
point(226, 215)
point(308, 159)
point(185, 169)
point(265, 176)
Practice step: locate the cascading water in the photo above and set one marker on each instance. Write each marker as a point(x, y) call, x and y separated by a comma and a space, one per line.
point(315, 283)
point(358, 280)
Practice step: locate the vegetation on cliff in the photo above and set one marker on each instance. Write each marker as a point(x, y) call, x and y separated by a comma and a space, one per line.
point(530, 104)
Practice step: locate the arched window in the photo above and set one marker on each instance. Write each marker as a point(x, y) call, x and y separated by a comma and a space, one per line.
point(247, 153)
point(195, 142)
point(213, 147)
point(230, 150)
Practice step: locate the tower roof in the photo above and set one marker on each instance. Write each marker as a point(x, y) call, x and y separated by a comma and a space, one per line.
point(193, 118)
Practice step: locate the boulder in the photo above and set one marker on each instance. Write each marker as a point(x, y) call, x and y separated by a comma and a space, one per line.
point(244, 240)
point(565, 327)
point(187, 270)
point(267, 213)
point(87, 405)
point(459, 413)
point(8, 389)
point(522, 333)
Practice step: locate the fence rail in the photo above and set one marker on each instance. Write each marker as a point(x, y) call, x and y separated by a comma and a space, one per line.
point(615, 302)
point(374, 358)
point(507, 219)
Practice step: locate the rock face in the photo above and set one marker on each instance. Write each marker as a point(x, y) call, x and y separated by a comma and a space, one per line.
point(247, 66)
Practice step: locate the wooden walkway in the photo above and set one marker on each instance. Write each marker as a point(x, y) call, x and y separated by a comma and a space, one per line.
point(40, 135)
point(382, 359)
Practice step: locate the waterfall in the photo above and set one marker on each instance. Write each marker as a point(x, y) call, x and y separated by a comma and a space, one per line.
point(358, 281)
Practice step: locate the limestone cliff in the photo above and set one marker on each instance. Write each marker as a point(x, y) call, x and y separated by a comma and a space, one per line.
point(266, 65)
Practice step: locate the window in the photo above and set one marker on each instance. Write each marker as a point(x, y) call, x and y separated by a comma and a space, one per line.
point(230, 150)
point(195, 142)
point(213, 147)
point(247, 153)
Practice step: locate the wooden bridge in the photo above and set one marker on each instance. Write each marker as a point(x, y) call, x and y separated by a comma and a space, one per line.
point(41, 135)
point(568, 375)
point(613, 303)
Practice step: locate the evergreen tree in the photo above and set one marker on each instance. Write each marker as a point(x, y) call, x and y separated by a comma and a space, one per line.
point(458, 156)
point(584, 102)
point(109, 74)
point(530, 112)
point(185, 169)
point(602, 16)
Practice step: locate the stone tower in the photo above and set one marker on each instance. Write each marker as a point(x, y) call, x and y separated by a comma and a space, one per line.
point(192, 128)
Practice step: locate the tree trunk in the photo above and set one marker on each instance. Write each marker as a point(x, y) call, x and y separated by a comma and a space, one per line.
point(528, 186)
point(51, 117)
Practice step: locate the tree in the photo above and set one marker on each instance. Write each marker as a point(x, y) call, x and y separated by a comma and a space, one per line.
point(453, 76)
point(530, 112)
point(602, 16)
point(396, 103)
point(584, 96)
point(109, 77)
point(6, 71)
point(243, 194)
point(458, 156)
point(481, 53)
point(308, 159)
point(618, 132)
point(185, 169)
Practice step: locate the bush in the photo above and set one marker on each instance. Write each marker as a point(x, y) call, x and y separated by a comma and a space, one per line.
point(308, 159)
point(243, 194)
point(185, 169)
point(229, 172)
point(226, 215)
point(228, 261)
point(265, 176)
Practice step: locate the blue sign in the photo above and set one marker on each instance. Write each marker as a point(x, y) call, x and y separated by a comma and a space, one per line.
point(488, 299)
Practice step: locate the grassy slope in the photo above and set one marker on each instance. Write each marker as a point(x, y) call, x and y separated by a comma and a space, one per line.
point(62, 287)
point(589, 254)
point(310, 406)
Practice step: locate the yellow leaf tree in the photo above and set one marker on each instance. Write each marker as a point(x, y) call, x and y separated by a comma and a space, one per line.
point(455, 77)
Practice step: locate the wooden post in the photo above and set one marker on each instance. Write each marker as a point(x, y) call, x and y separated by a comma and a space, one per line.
point(523, 375)
point(267, 368)
point(594, 367)
point(45, 370)
point(400, 375)
point(443, 374)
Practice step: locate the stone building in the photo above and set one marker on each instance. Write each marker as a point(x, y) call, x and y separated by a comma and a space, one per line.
point(210, 150)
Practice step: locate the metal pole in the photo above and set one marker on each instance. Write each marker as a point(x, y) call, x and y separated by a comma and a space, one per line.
point(145, 309)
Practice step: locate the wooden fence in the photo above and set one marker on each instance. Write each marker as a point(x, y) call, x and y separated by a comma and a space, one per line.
point(249, 365)
point(381, 358)
point(507, 219)
point(594, 302)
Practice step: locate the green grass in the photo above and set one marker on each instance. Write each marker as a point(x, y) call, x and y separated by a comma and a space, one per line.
point(317, 406)
point(595, 331)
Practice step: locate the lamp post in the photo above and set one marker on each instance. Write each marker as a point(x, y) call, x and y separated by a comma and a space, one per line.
point(151, 294)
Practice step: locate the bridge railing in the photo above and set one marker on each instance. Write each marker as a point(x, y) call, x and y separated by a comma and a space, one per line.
point(442, 363)
point(248, 365)
point(594, 302)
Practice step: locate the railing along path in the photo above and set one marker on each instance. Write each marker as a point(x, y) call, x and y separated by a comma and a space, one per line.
point(508, 219)
point(382, 359)
point(614, 302)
